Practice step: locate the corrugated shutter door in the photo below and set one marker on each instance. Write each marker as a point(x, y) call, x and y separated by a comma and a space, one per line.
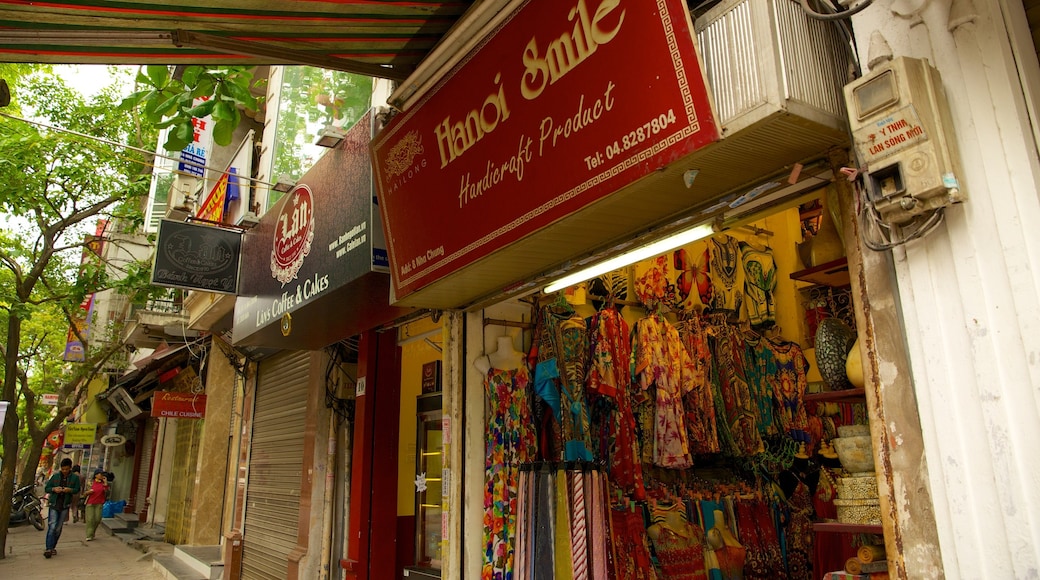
point(275, 466)
point(145, 442)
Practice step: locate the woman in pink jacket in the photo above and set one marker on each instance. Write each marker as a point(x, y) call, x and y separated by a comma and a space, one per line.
point(96, 495)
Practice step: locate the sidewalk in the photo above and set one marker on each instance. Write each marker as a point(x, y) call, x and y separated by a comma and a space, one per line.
point(106, 557)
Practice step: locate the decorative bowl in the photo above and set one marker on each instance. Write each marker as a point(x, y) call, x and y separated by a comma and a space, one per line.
point(855, 453)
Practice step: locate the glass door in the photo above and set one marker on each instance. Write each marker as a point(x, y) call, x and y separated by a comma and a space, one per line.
point(428, 459)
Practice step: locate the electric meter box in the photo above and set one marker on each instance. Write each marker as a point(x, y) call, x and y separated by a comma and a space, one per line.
point(903, 135)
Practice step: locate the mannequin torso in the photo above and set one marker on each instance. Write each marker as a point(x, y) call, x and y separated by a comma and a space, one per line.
point(506, 357)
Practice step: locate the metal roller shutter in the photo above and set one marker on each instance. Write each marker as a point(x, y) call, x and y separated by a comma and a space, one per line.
point(275, 466)
point(145, 448)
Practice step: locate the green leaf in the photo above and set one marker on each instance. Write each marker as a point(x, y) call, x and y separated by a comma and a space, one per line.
point(203, 109)
point(132, 100)
point(223, 111)
point(223, 132)
point(158, 74)
point(168, 106)
point(240, 92)
point(204, 88)
point(191, 75)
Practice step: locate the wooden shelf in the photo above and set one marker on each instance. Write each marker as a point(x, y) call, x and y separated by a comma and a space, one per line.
point(843, 396)
point(834, 274)
point(840, 528)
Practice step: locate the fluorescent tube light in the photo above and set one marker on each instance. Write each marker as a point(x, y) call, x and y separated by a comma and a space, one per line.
point(648, 251)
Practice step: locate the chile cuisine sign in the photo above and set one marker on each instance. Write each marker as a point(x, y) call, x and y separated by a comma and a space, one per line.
point(565, 104)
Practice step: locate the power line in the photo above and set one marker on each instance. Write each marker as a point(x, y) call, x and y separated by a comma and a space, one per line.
point(138, 149)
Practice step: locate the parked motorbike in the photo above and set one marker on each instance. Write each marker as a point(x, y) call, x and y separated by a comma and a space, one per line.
point(25, 508)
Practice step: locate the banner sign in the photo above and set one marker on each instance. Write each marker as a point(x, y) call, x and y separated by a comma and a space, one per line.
point(79, 435)
point(202, 141)
point(50, 399)
point(178, 405)
point(75, 350)
point(568, 102)
point(197, 257)
point(212, 208)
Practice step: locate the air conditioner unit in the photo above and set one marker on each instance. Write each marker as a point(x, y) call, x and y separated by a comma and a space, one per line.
point(247, 220)
point(180, 202)
point(776, 76)
point(124, 403)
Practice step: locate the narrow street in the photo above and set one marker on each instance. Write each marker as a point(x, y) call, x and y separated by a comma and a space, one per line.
point(105, 557)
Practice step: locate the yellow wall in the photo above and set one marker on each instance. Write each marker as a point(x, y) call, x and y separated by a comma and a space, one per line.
point(95, 411)
point(415, 352)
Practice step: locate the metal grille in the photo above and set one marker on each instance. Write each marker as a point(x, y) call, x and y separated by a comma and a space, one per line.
point(275, 466)
point(763, 57)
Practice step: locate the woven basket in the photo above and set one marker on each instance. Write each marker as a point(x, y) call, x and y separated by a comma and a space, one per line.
point(863, 487)
point(858, 511)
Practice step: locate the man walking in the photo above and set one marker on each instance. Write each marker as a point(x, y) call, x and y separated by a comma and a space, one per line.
point(63, 488)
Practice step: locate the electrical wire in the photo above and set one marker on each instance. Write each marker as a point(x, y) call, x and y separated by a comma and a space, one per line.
point(835, 16)
point(880, 236)
point(139, 150)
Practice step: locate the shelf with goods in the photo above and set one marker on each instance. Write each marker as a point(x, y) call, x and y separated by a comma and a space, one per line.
point(843, 396)
point(834, 274)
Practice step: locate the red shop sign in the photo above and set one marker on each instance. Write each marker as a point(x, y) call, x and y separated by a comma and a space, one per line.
point(568, 102)
point(178, 405)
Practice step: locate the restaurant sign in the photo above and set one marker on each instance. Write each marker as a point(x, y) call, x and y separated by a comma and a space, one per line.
point(568, 102)
point(178, 405)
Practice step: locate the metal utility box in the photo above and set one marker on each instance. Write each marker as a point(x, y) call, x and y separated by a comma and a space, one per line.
point(902, 130)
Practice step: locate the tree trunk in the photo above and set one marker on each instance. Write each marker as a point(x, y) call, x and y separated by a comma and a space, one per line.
point(37, 436)
point(10, 431)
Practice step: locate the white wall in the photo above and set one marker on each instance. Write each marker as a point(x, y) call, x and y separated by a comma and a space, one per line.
point(969, 291)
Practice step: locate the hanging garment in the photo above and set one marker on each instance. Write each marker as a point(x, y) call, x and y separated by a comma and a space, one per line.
point(693, 279)
point(543, 557)
point(611, 379)
point(739, 409)
point(652, 287)
point(726, 274)
point(579, 525)
point(509, 442)
point(523, 526)
point(561, 336)
point(759, 284)
point(799, 534)
point(631, 546)
point(659, 358)
point(561, 544)
point(787, 376)
point(699, 403)
point(758, 536)
point(758, 359)
point(599, 563)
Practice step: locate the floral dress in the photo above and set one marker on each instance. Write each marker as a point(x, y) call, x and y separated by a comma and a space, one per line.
point(610, 379)
point(509, 442)
point(699, 403)
point(660, 359)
